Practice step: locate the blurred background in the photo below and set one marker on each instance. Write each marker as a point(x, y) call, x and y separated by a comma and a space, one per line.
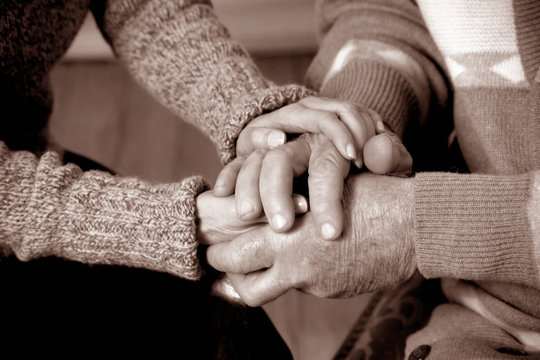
point(101, 113)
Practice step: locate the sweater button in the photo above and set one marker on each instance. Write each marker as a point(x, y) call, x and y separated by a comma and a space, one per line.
point(420, 353)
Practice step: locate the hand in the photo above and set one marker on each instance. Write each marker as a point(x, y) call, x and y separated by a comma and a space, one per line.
point(358, 133)
point(347, 125)
point(265, 180)
point(375, 251)
point(218, 221)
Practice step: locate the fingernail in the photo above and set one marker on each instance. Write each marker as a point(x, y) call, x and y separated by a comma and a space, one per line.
point(359, 163)
point(380, 125)
point(219, 184)
point(300, 204)
point(351, 151)
point(246, 207)
point(328, 231)
point(275, 138)
point(278, 221)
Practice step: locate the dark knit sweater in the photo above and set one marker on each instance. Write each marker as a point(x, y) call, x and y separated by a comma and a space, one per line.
point(180, 53)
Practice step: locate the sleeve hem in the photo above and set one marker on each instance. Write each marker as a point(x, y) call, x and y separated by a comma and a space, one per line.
point(261, 102)
point(473, 227)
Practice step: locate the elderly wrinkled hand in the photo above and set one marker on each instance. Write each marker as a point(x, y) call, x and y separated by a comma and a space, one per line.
point(376, 249)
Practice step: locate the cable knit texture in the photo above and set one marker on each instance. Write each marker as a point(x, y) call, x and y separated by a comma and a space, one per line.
point(96, 218)
point(179, 52)
point(195, 68)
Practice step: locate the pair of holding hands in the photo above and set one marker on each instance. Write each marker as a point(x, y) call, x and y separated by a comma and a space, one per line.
point(261, 177)
point(332, 135)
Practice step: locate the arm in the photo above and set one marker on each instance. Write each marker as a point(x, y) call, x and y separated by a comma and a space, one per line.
point(183, 55)
point(470, 227)
point(95, 218)
point(379, 54)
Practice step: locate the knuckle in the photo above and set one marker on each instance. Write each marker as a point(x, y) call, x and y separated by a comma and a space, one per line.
point(253, 157)
point(350, 107)
point(328, 117)
point(276, 155)
point(260, 152)
point(321, 165)
point(258, 136)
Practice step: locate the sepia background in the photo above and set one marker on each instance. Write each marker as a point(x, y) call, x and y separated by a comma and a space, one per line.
point(101, 113)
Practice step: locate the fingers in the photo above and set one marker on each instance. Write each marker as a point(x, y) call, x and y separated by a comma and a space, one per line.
point(217, 220)
point(256, 137)
point(248, 261)
point(226, 180)
point(244, 254)
point(248, 204)
point(327, 170)
point(386, 154)
point(300, 118)
point(278, 170)
point(360, 121)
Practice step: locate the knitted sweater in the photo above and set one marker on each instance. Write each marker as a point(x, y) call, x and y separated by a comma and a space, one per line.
point(479, 231)
point(179, 52)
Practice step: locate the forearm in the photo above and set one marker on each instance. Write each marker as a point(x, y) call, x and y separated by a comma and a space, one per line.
point(448, 225)
point(379, 54)
point(478, 227)
point(183, 55)
point(95, 218)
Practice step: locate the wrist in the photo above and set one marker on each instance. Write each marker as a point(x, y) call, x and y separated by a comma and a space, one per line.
point(381, 211)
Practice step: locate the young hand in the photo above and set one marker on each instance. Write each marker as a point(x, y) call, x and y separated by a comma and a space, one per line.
point(217, 220)
point(264, 180)
point(346, 125)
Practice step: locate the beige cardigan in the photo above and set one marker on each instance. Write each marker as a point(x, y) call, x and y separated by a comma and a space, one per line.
point(412, 61)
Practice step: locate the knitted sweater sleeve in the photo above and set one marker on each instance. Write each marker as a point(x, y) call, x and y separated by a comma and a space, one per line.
point(479, 227)
point(182, 54)
point(378, 54)
point(93, 217)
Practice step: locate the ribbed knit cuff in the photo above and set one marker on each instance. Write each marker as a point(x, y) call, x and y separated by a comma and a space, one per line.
point(263, 101)
point(123, 221)
point(474, 227)
point(377, 86)
point(183, 55)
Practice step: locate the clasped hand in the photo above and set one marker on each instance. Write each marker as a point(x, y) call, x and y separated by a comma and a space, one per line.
point(333, 134)
point(263, 263)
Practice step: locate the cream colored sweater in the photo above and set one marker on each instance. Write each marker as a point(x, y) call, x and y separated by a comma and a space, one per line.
point(411, 60)
point(180, 53)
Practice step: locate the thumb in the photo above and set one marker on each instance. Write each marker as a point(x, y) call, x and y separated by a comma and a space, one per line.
point(386, 154)
point(253, 138)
